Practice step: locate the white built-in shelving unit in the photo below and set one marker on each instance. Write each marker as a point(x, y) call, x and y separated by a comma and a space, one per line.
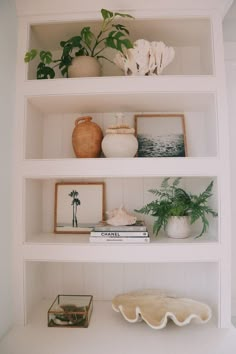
point(47, 264)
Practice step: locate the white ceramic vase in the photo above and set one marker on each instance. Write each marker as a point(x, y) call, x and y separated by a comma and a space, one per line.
point(84, 66)
point(119, 145)
point(178, 227)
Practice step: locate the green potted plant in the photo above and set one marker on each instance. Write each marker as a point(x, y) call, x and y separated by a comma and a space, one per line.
point(175, 209)
point(86, 44)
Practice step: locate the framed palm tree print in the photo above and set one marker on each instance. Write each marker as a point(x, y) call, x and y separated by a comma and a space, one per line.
point(78, 207)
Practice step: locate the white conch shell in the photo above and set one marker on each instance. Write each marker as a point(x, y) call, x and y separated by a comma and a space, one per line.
point(145, 58)
point(120, 216)
point(155, 308)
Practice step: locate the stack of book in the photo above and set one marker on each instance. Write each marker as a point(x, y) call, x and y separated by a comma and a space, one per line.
point(105, 233)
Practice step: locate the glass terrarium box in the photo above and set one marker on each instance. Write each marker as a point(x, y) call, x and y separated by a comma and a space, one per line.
point(70, 311)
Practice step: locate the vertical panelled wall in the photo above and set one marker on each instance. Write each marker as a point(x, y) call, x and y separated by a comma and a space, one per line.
point(229, 27)
point(7, 97)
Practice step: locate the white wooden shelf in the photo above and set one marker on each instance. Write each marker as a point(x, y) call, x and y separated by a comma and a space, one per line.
point(104, 316)
point(82, 239)
point(155, 252)
point(111, 167)
point(108, 330)
point(121, 85)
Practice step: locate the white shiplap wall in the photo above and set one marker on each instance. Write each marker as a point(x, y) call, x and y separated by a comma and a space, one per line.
point(229, 27)
point(7, 88)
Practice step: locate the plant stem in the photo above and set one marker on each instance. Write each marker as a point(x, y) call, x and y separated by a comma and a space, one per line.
point(101, 50)
point(106, 59)
point(97, 42)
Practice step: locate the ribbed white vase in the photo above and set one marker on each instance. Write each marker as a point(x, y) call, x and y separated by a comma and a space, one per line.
point(119, 145)
point(178, 227)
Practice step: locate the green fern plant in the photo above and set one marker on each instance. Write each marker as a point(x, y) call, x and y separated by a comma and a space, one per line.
point(172, 200)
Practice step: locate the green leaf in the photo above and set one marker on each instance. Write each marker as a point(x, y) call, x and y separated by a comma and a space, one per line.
point(45, 72)
point(64, 67)
point(81, 52)
point(62, 43)
point(181, 196)
point(64, 71)
point(122, 15)
point(122, 28)
point(206, 194)
point(177, 181)
point(87, 35)
point(116, 41)
point(157, 226)
point(106, 14)
point(30, 55)
point(46, 57)
point(205, 225)
point(165, 183)
point(68, 46)
point(66, 50)
point(127, 43)
point(76, 41)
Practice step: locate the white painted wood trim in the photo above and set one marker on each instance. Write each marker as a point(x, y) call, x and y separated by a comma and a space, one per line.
point(72, 168)
point(25, 7)
point(111, 167)
point(104, 253)
point(120, 84)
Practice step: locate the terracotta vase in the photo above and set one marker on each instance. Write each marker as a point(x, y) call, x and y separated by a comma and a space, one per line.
point(84, 66)
point(86, 138)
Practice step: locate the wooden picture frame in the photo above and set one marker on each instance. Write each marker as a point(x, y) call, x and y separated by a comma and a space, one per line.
point(78, 207)
point(161, 135)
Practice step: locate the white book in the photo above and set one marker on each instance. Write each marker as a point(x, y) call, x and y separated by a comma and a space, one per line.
point(116, 234)
point(101, 239)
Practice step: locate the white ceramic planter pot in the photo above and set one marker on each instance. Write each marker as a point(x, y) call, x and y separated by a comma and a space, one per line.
point(178, 227)
point(119, 145)
point(84, 66)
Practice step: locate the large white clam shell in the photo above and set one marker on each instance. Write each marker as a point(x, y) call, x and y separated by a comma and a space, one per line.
point(156, 308)
point(145, 58)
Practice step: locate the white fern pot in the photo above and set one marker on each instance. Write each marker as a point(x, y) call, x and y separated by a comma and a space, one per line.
point(84, 66)
point(119, 145)
point(178, 227)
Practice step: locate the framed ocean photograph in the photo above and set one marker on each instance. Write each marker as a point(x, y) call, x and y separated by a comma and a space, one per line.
point(78, 207)
point(161, 135)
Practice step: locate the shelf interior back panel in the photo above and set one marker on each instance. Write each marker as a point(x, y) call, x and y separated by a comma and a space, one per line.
point(51, 120)
point(45, 280)
point(190, 37)
point(132, 193)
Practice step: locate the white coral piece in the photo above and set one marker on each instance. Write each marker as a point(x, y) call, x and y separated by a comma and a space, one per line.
point(156, 308)
point(120, 216)
point(145, 58)
point(141, 56)
point(161, 56)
